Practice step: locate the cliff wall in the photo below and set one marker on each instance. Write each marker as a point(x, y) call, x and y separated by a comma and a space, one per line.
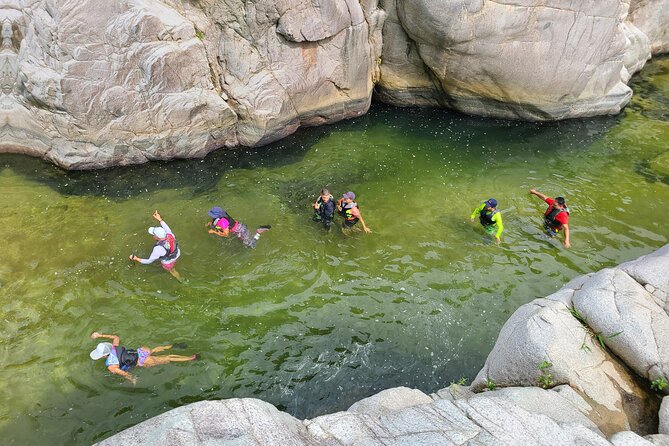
point(97, 83)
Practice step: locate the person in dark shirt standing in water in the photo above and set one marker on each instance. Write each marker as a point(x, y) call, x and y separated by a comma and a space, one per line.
point(324, 208)
point(556, 217)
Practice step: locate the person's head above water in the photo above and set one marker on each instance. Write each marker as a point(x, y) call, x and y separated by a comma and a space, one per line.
point(560, 201)
point(216, 212)
point(157, 232)
point(348, 196)
point(491, 203)
point(102, 350)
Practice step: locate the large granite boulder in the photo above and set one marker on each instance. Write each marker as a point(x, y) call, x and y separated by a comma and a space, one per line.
point(239, 422)
point(475, 56)
point(622, 309)
point(397, 416)
point(651, 16)
point(96, 83)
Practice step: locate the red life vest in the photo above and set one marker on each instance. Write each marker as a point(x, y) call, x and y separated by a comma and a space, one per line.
point(170, 245)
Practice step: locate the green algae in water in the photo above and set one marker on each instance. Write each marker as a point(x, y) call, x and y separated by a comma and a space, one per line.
point(309, 321)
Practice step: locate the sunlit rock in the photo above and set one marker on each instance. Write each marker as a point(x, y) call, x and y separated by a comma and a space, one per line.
point(623, 309)
point(513, 59)
point(651, 16)
point(98, 83)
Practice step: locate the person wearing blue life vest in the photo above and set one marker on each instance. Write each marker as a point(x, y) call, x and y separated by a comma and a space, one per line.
point(119, 359)
point(490, 218)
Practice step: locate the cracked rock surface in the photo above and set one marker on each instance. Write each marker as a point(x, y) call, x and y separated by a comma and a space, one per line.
point(598, 385)
point(97, 83)
point(474, 55)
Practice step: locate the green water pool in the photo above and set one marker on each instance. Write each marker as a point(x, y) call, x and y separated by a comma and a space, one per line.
point(309, 321)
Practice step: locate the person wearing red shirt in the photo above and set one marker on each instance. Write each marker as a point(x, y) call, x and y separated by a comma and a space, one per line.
point(556, 217)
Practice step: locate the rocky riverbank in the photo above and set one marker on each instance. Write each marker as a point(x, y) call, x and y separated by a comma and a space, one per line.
point(586, 365)
point(94, 83)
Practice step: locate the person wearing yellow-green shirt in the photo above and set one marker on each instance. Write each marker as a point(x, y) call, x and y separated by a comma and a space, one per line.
point(490, 218)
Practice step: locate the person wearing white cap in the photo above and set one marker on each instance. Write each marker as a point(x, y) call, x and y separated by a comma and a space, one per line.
point(166, 248)
point(119, 359)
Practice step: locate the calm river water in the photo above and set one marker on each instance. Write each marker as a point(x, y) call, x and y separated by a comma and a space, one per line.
point(309, 321)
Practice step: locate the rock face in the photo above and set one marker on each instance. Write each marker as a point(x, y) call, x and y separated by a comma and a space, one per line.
point(511, 416)
point(144, 80)
point(554, 342)
point(650, 16)
point(623, 308)
point(474, 56)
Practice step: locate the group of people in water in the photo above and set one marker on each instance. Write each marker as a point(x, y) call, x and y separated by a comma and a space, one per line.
point(556, 217)
point(120, 360)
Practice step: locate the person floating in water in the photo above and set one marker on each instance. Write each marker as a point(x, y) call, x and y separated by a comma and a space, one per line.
point(222, 224)
point(166, 248)
point(349, 209)
point(490, 218)
point(119, 359)
point(324, 208)
point(556, 217)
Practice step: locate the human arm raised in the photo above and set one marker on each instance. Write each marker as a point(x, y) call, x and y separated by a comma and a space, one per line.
point(115, 339)
point(538, 194)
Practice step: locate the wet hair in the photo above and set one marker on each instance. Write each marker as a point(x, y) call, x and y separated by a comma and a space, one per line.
point(325, 192)
point(560, 201)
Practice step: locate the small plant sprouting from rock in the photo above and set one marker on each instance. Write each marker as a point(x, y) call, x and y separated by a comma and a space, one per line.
point(461, 382)
point(199, 34)
point(577, 314)
point(659, 384)
point(545, 380)
point(600, 338)
point(490, 384)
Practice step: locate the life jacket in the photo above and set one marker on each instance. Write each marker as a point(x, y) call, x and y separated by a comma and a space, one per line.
point(232, 223)
point(171, 246)
point(127, 359)
point(325, 209)
point(485, 217)
point(346, 211)
point(549, 217)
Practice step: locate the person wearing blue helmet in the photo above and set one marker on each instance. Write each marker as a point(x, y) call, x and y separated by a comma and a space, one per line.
point(490, 218)
point(222, 225)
